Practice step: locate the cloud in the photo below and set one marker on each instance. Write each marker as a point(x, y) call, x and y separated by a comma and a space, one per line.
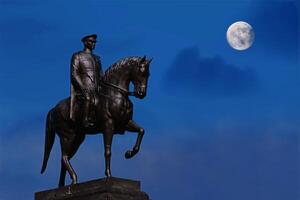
point(234, 161)
point(231, 162)
point(190, 71)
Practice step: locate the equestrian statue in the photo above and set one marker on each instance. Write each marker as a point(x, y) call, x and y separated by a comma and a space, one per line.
point(99, 103)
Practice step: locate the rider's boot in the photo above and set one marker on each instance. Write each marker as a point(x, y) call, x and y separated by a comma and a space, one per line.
point(86, 121)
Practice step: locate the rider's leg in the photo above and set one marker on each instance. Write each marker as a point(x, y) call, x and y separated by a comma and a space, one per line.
point(86, 109)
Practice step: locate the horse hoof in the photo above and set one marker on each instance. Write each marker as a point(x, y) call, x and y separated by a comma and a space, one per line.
point(128, 154)
point(107, 174)
point(74, 182)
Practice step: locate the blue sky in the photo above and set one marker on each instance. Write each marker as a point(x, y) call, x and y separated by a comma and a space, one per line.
point(220, 123)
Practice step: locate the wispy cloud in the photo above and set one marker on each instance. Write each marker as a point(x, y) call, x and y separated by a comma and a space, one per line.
point(191, 72)
point(227, 157)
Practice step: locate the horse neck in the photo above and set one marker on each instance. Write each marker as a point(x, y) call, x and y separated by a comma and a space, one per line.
point(120, 78)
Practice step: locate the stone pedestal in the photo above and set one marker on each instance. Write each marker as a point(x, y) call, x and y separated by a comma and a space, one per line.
point(101, 189)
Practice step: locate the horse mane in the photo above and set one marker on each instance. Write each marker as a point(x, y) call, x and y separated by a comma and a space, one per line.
point(120, 64)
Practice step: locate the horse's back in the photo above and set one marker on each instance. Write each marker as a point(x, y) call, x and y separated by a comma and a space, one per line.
point(62, 108)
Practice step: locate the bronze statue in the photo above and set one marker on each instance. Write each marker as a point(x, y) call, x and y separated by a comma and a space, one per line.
point(108, 102)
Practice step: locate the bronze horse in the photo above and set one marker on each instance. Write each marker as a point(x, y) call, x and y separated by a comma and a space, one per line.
point(112, 110)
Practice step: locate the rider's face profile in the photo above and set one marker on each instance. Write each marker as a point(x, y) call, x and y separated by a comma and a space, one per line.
point(90, 44)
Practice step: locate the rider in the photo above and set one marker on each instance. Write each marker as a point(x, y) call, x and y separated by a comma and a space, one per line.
point(86, 72)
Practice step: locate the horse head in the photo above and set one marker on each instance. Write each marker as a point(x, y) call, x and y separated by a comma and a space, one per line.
point(140, 76)
point(126, 70)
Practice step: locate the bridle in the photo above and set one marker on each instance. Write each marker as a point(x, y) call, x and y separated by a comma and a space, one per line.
point(104, 83)
point(122, 90)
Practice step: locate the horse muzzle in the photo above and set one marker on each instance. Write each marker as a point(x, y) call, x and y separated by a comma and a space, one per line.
point(140, 92)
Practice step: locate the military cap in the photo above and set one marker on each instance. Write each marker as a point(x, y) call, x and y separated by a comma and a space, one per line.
point(93, 36)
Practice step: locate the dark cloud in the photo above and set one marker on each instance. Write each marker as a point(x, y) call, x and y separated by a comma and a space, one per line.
point(190, 71)
point(276, 26)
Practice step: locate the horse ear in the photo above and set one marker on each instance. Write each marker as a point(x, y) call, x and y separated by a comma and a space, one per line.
point(149, 61)
point(143, 59)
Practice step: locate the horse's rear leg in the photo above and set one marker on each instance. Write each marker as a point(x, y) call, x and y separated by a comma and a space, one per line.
point(134, 127)
point(69, 147)
point(107, 138)
point(62, 174)
point(72, 173)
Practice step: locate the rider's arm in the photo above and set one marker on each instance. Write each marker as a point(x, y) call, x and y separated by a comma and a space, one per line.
point(75, 76)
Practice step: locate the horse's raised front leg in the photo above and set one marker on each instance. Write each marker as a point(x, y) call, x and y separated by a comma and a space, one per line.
point(134, 127)
point(107, 138)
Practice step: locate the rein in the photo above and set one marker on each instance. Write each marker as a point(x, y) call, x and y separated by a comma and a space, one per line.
point(117, 87)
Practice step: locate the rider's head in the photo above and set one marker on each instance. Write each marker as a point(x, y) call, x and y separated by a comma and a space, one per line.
point(89, 41)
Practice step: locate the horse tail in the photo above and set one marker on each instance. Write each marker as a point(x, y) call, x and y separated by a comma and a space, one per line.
point(49, 139)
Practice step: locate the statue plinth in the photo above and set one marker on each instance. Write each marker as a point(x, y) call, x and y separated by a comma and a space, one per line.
point(101, 189)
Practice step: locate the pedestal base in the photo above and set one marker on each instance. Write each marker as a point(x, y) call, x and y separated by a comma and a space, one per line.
point(101, 189)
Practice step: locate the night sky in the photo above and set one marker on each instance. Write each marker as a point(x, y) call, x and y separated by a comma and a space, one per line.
point(220, 124)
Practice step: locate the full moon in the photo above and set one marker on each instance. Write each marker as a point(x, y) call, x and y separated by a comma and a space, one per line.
point(240, 35)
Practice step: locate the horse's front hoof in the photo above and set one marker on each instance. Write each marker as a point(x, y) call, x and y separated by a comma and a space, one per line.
point(128, 154)
point(74, 182)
